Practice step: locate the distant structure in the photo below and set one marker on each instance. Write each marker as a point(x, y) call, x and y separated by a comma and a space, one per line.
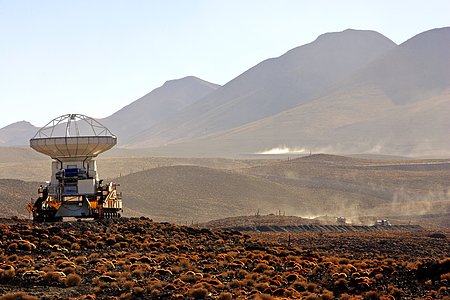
point(74, 190)
point(341, 220)
point(383, 222)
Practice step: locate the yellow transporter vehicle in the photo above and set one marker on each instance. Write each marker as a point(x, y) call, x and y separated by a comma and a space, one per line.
point(73, 141)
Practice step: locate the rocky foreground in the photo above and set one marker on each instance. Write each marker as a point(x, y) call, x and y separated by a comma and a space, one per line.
point(139, 258)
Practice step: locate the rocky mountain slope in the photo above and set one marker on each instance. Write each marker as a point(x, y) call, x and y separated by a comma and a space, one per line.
point(158, 105)
point(273, 86)
point(17, 134)
point(398, 104)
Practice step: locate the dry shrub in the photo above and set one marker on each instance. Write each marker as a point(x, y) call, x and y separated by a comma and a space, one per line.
point(261, 267)
point(327, 295)
point(68, 270)
point(263, 286)
point(154, 285)
point(311, 287)
point(291, 277)
point(225, 296)
point(13, 258)
point(18, 296)
point(345, 296)
point(198, 293)
point(396, 292)
point(110, 241)
point(190, 278)
point(62, 263)
point(172, 248)
point(279, 292)
point(248, 282)
point(128, 285)
point(126, 296)
point(234, 284)
point(186, 265)
point(138, 273)
point(372, 295)
point(52, 276)
point(299, 285)
point(75, 246)
point(12, 247)
point(72, 280)
point(138, 291)
point(8, 273)
point(312, 297)
point(241, 274)
point(80, 260)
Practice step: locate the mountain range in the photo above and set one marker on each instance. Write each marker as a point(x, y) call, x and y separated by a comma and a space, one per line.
point(353, 91)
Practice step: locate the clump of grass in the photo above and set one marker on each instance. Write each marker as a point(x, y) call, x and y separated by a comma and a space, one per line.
point(75, 246)
point(138, 291)
point(311, 287)
point(128, 285)
point(72, 280)
point(225, 296)
point(7, 273)
point(52, 276)
point(261, 267)
point(80, 260)
point(300, 285)
point(13, 258)
point(198, 293)
point(262, 286)
point(394, 291)
point(12, 247)
point(371, 295)
point(234, 284)
point(327, 295)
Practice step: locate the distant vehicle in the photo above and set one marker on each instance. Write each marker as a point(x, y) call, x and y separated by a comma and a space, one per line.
point(382, 222)
point(341, 220)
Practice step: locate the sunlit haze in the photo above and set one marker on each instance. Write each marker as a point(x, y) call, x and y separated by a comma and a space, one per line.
point(94, 57)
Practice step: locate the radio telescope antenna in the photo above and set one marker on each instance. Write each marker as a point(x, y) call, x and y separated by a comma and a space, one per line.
point(73, 136)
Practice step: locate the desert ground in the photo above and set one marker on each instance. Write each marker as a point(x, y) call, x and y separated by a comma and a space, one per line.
point(139, 258)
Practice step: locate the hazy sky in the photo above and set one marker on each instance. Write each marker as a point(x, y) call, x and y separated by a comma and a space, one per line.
point(94, 57)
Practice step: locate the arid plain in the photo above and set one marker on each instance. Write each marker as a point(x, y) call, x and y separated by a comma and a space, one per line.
point(196, 190)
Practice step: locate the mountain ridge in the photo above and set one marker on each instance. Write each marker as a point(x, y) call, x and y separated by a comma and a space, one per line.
point(157, 105)
point(272, 86)
point(17, 134)
point(360, 115)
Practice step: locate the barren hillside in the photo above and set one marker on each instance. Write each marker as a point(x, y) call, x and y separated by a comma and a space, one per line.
point(397, 104)
point(272, 86)
point(184, 192)
point(14, 196)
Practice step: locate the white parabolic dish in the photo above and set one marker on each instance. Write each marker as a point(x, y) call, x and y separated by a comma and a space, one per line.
point(73, 136)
